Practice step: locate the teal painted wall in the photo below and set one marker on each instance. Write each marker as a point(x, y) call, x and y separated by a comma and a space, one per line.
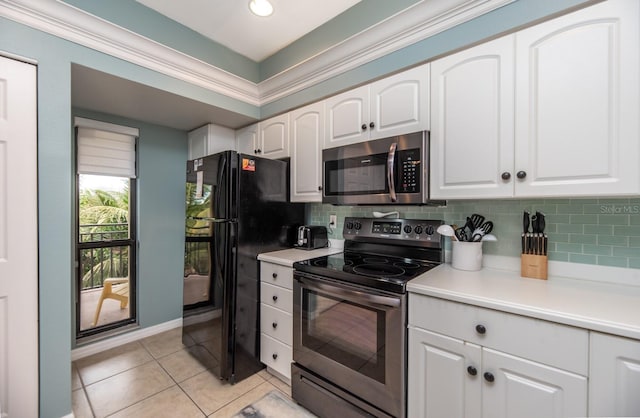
point(162, 153)
point(161, 159)
point(603, 231)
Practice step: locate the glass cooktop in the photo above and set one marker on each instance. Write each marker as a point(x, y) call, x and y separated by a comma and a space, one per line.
point(373, 270)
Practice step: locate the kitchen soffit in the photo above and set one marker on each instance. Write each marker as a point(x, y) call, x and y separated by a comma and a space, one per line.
point(418, 22)
point(423, 19)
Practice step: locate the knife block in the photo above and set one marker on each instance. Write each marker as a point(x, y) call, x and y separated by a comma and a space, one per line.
point(533, 266)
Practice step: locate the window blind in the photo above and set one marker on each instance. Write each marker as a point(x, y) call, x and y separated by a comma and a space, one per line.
point(104, 152)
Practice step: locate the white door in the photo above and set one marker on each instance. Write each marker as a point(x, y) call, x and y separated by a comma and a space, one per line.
point(577, 84)
point(348, 118)
point(472, 122)
point(515, 387)
point(307, 134)
point(274, 137)
point(18, 240)
point(444, 376)
point(400, 103)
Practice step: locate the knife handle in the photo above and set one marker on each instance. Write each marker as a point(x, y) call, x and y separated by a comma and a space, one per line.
point(525, 222)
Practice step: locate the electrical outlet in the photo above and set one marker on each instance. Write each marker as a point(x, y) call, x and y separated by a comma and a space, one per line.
point(333, 221)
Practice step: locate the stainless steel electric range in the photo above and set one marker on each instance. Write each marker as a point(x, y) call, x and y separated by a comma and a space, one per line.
point(350, 318)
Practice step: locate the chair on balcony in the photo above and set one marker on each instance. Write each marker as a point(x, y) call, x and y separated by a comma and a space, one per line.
point(114, 288)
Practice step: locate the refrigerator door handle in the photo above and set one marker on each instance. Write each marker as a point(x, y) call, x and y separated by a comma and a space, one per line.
point(208, 219)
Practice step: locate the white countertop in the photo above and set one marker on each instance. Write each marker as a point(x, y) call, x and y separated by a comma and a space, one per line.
point(604, 307)
point(290, 256)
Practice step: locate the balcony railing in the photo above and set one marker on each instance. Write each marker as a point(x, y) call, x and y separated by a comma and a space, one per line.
point(102, 260)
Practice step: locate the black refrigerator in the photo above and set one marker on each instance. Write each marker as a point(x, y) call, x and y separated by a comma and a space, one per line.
point(237, 206)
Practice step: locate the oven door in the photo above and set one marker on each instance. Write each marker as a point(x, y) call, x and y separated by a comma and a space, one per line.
point(353, 337)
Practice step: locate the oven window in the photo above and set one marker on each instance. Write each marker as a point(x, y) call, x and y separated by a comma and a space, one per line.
point(350, 334)
point(353, 176)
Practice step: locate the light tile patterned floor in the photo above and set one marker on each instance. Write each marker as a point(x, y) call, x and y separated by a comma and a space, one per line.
point(159, 377)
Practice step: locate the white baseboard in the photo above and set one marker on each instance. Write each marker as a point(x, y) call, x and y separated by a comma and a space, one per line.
point(121, 339)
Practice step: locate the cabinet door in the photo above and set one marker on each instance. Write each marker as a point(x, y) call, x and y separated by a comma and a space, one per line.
point(400, 103)
point(578, 102)
point(307, 134)
point(247, 140)
point(441, 382)
point(614, 376)
point(198, 142)
point(526, 389)
point(274, 137)
point(347, 118)
point(472, 122)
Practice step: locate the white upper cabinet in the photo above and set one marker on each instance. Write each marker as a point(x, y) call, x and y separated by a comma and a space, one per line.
point(400, 103)
point(391, 106)
point(274, 137)
point(307, 134)
point(347, 118)
point(573, 83)
point(247, 139)
point(268, 139)
point(472, 121)
point(210, 139)
point(577, 103)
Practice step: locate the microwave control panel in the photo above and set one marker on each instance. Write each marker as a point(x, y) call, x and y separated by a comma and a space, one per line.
point(409, 164)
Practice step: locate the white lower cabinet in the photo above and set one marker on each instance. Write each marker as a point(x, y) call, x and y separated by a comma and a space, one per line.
point(443, 376)
point(614, 376)
point(498, 368)
point(276, 320)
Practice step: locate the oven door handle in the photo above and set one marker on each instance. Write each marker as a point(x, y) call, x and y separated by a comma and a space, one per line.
point(370, 299)
point(391, 165)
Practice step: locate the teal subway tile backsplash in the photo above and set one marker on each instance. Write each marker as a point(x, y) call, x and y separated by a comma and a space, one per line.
point(602, 231)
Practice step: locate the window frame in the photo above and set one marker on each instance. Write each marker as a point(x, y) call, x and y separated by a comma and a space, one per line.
point(131, 243)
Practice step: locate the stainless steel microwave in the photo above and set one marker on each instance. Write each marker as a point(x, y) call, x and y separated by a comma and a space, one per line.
point(387, 171)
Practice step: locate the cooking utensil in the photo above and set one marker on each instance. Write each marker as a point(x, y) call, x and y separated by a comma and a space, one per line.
point(487, 227)
point(461, 234)
point(477, 235)
point(477, 220)
point(386, 214)
point(447, 231)
point(489, 237)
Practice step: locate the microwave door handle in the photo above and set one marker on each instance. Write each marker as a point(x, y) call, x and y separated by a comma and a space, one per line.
point(390, 170)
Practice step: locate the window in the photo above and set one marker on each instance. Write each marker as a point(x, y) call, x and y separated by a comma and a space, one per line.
point(106, 226)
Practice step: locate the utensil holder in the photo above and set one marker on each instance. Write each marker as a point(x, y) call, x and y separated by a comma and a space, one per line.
point(533, 266)
point(466, 255)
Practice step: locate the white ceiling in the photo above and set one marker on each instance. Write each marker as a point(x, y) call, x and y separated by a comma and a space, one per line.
point(230, 23)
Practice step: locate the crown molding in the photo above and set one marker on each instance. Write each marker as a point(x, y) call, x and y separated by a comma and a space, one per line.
point(67, 22)
point(420, 21)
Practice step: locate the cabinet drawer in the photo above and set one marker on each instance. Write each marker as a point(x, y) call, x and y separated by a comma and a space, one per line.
point(277, 297)
point(276, 274)
point(276, 323)
point(276, 355)
point(557, 345)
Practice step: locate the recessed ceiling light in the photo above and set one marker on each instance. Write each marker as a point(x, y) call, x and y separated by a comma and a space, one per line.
point(261, 7)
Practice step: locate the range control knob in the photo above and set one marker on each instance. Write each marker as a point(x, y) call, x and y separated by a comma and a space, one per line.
point(418, 229)
point(430, 230)
point(357, 225)
point(349, 225)
point(407, 229)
